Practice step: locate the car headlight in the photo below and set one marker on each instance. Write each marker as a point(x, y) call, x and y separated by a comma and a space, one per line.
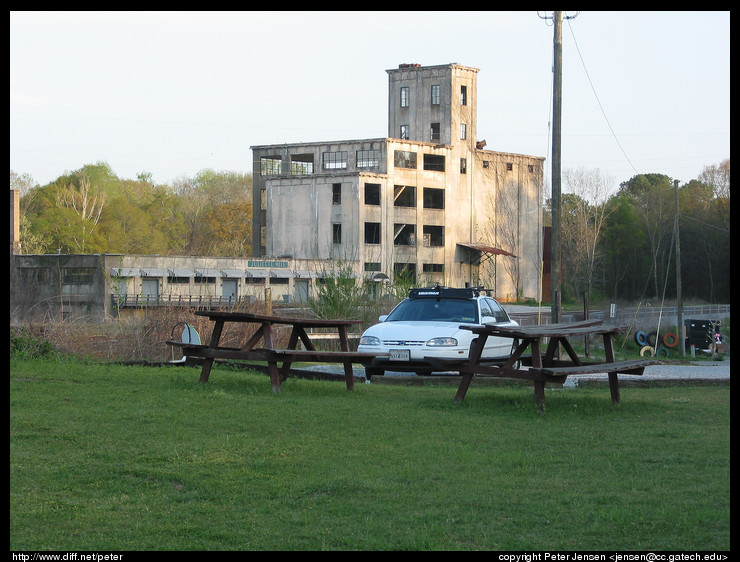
point(442, 342)
point(369, 340)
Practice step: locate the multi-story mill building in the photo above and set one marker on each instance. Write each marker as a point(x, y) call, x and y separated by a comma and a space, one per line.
point(428, 201)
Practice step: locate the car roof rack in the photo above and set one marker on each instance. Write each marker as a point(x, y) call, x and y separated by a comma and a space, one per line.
point(447, 292)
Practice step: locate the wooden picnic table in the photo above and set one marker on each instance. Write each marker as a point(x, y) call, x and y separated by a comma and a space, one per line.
point(547, 367)
point(265, 333)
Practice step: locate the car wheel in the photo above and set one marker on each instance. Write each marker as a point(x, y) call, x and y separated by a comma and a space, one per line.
point(373, 371)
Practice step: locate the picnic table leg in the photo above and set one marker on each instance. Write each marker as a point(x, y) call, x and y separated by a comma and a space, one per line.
point(205, 372)
point(539, 386)
point(474, 359)
point(613, 377)
point(463, 388)
point(272, 369)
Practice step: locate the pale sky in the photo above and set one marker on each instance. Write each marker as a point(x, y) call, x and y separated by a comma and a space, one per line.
point(173, 93)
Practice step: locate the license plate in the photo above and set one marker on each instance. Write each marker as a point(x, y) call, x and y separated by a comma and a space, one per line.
point(400, 355)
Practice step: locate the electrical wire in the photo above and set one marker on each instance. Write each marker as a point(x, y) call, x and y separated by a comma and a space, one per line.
point(597, 98)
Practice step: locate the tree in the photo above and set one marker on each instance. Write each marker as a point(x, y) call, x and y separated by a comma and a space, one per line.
point(583, 220)
point(653, 198)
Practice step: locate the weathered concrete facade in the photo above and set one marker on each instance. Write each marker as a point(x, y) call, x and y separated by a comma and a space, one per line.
point(428, 201)
point(95, 287)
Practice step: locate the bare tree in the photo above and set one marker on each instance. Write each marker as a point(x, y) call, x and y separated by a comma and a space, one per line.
point(86, 204)
point(585, 212)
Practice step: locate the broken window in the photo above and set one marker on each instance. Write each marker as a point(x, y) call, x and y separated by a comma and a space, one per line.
point(463, 131)
point(434, 236)
point(336, 193)
point(270, 166)
point(463, 95)
point(434, 162)
point(434, 198)
point(372, 194)
point(404, 234)
point(404, 159)
point(434, 134)
point(372, 233)
point(336, 233)
point(404, 196)
point(301, 164)
point(404, 134)
point(433, 268)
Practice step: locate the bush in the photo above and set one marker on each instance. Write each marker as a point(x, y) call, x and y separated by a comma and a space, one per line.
point(26, 345)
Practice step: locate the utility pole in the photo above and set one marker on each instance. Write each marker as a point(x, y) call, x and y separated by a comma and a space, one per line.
point(557, 107)
point(679, 297)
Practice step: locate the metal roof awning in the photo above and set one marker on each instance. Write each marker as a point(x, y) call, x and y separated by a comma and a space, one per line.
point(232, 273)
point(207, 272)
point(303, 274)
point(153, 272)
point(478, 253)
point(281, 273)
point(181, 272)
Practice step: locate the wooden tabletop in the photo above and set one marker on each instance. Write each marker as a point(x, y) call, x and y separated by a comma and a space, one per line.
point(558, 330)
point(217, 315)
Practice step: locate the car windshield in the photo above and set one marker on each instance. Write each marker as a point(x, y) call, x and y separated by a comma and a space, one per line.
point(435, 310)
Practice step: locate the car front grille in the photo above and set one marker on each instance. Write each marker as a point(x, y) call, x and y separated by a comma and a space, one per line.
point(404, 343)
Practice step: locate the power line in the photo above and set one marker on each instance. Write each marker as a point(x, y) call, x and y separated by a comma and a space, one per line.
point(578, 50)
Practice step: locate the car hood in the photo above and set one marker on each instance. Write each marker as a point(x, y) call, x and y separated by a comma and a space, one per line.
point(414, 331)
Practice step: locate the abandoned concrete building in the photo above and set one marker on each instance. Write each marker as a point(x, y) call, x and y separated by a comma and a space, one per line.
point(428, 203)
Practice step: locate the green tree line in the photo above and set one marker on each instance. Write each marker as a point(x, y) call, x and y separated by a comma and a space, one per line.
point(91, 210)
point(622, 245)
point(615, 244)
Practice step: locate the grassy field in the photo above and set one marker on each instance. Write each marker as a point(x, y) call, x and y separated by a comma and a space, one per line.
point(140, 458)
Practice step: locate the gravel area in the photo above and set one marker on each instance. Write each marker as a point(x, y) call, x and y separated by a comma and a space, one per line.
point(698, 370)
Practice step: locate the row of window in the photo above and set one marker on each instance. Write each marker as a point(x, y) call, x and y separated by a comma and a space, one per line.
point(403, 234)
point(272, 166)
point(302, 164)
point(434, 95)
point(434, 132)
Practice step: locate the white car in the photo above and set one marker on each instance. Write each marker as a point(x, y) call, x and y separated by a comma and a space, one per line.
point(425, 327)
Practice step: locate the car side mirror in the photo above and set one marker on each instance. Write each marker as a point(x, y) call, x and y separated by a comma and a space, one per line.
point(382, 318)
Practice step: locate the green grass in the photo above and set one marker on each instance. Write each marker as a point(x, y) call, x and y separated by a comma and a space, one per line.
point(140, 458)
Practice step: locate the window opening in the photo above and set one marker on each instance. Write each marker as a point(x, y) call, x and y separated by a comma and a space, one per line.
point(404, 96)
point(372, 233)
point(335, 160)
point(434, 162)
point(336, 193)
point(372, 194)
point(435, 94)
point(404, 159)
point(404, 234)
point(404, 196)
point(434, 198)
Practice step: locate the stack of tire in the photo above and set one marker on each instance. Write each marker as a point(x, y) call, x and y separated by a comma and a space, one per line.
point(649, 346)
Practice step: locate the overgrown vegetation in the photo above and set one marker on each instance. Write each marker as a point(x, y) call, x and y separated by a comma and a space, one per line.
point(26, 345)
point(139, 458)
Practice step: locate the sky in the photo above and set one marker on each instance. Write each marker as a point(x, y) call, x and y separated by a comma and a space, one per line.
point(175, 93)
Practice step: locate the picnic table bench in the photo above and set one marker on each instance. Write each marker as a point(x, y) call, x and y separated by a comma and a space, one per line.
point(543, 368)
point(269, 353)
